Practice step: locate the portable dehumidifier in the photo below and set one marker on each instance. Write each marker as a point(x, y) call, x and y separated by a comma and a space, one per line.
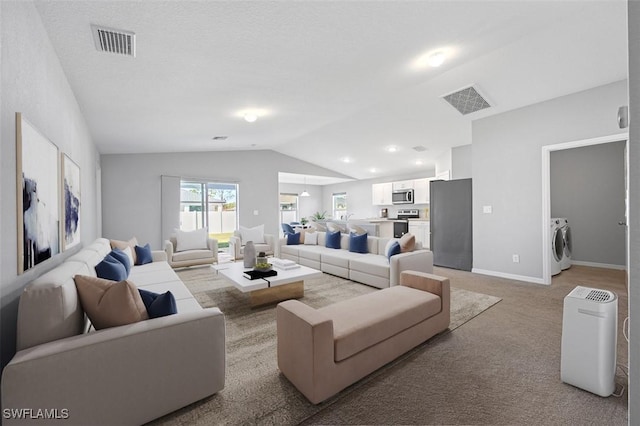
point(589, 339)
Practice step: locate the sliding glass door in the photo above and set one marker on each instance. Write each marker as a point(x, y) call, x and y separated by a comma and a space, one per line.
point(209, 205)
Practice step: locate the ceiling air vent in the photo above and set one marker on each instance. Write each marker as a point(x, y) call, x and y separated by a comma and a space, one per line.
point(419, 148)
point(114, 41)
point(466, 100)
point(219, 138)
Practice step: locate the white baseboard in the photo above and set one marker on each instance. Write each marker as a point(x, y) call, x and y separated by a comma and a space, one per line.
point(598, 265)
point(524, 278)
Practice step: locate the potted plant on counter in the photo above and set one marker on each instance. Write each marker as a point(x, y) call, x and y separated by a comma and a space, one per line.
point(319, 216)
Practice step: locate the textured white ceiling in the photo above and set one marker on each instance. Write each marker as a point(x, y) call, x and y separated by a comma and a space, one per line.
point(334, 78)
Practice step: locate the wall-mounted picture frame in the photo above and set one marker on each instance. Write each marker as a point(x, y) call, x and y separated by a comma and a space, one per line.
point(70, 203)
point(38, 195)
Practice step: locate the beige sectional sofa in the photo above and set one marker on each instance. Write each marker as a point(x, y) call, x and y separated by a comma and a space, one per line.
point(126, 375)
point(372, 268)
point(322, 351)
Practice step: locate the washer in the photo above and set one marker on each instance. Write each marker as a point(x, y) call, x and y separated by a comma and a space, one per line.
point(557, 247)
point(565, 263)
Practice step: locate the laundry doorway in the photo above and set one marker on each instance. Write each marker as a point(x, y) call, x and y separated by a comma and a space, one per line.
point(584, 182)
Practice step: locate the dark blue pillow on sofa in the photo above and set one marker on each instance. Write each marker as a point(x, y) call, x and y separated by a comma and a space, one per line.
point(143, 255)
point(333, 240)
point(111, 269)
point(158, 305)
point(122, 257)
point(293, 239)
point(358, 243)
point(393, 250)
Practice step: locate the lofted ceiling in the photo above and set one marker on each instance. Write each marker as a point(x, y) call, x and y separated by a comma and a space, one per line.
point(330, 79)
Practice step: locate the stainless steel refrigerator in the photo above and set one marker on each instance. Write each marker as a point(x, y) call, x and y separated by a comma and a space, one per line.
point(451, 223)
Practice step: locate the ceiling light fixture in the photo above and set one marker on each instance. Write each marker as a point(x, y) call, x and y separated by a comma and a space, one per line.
point(250, 117)
point(419, 163)
point(305, 193)
point(392, 148)
point(373, 170)
point(347, 160)
point(436, 59)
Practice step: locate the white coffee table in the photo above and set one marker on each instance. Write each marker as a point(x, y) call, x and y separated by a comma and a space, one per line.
point(288, 284)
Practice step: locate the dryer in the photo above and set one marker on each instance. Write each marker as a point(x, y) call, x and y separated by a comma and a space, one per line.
point(565, 263)
point(557, 247)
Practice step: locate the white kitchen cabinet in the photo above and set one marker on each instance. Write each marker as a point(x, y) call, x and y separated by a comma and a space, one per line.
point(421, 191)
point(381, 194)
point(446, 175)
point(403, 184)
point(421, 230)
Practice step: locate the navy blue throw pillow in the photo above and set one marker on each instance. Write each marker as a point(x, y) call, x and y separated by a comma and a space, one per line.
point(358, 243)
point(158, 305)
point(293, 239)
point(333, 240)
point(143, 255)
point(122, 257)
point(111, 269)
point(393, 250)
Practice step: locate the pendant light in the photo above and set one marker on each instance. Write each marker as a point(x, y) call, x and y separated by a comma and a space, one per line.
point(305, 193)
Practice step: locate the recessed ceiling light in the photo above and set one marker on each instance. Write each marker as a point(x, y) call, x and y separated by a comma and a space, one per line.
point(392, 148)
point(250, 117)
point(433, 58)
point(436, 59)
point(419, 163)
point(373, 170)
point(346, 160)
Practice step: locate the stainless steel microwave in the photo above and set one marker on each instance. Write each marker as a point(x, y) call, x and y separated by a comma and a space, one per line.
point(402, 196)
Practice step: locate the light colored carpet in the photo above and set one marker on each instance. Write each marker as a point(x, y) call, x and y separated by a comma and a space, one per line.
point(502, 368)
point(255, 391)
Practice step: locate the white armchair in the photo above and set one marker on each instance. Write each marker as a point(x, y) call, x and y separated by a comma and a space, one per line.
point(236, 245)
point(180, 259)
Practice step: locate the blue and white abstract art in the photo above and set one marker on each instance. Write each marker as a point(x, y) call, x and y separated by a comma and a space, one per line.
point(38, 196)
point(71, 207)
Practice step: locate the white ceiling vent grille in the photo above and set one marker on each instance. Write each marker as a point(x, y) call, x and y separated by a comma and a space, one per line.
point(420, 148)
point(114, 41)
point(466, 100)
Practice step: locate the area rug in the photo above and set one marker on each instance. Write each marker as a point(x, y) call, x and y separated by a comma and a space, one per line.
point(255, 392)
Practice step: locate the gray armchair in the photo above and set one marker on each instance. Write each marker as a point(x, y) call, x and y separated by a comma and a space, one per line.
point(236, 245)
point(180, 259)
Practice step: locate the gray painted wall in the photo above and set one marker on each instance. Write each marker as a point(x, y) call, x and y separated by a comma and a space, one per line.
point(359, 193)
point(131, 187)
point(587, 187)
point(461, 162)
point(33, 83)
point(507, 172)
point(634, 210)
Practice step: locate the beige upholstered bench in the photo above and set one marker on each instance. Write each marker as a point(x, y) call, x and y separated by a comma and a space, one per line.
point(322, 351)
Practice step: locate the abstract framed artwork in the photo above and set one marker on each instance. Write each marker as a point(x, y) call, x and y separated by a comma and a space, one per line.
point(70, 203)
point(38, 188)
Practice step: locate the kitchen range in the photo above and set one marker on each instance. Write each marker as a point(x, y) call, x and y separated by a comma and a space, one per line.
point(401, 223)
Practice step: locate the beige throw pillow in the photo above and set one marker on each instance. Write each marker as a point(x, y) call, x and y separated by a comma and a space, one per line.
point(122, 245)
point(310, 238)
point(192, 240)
point(407, 243)
point(110, 303)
